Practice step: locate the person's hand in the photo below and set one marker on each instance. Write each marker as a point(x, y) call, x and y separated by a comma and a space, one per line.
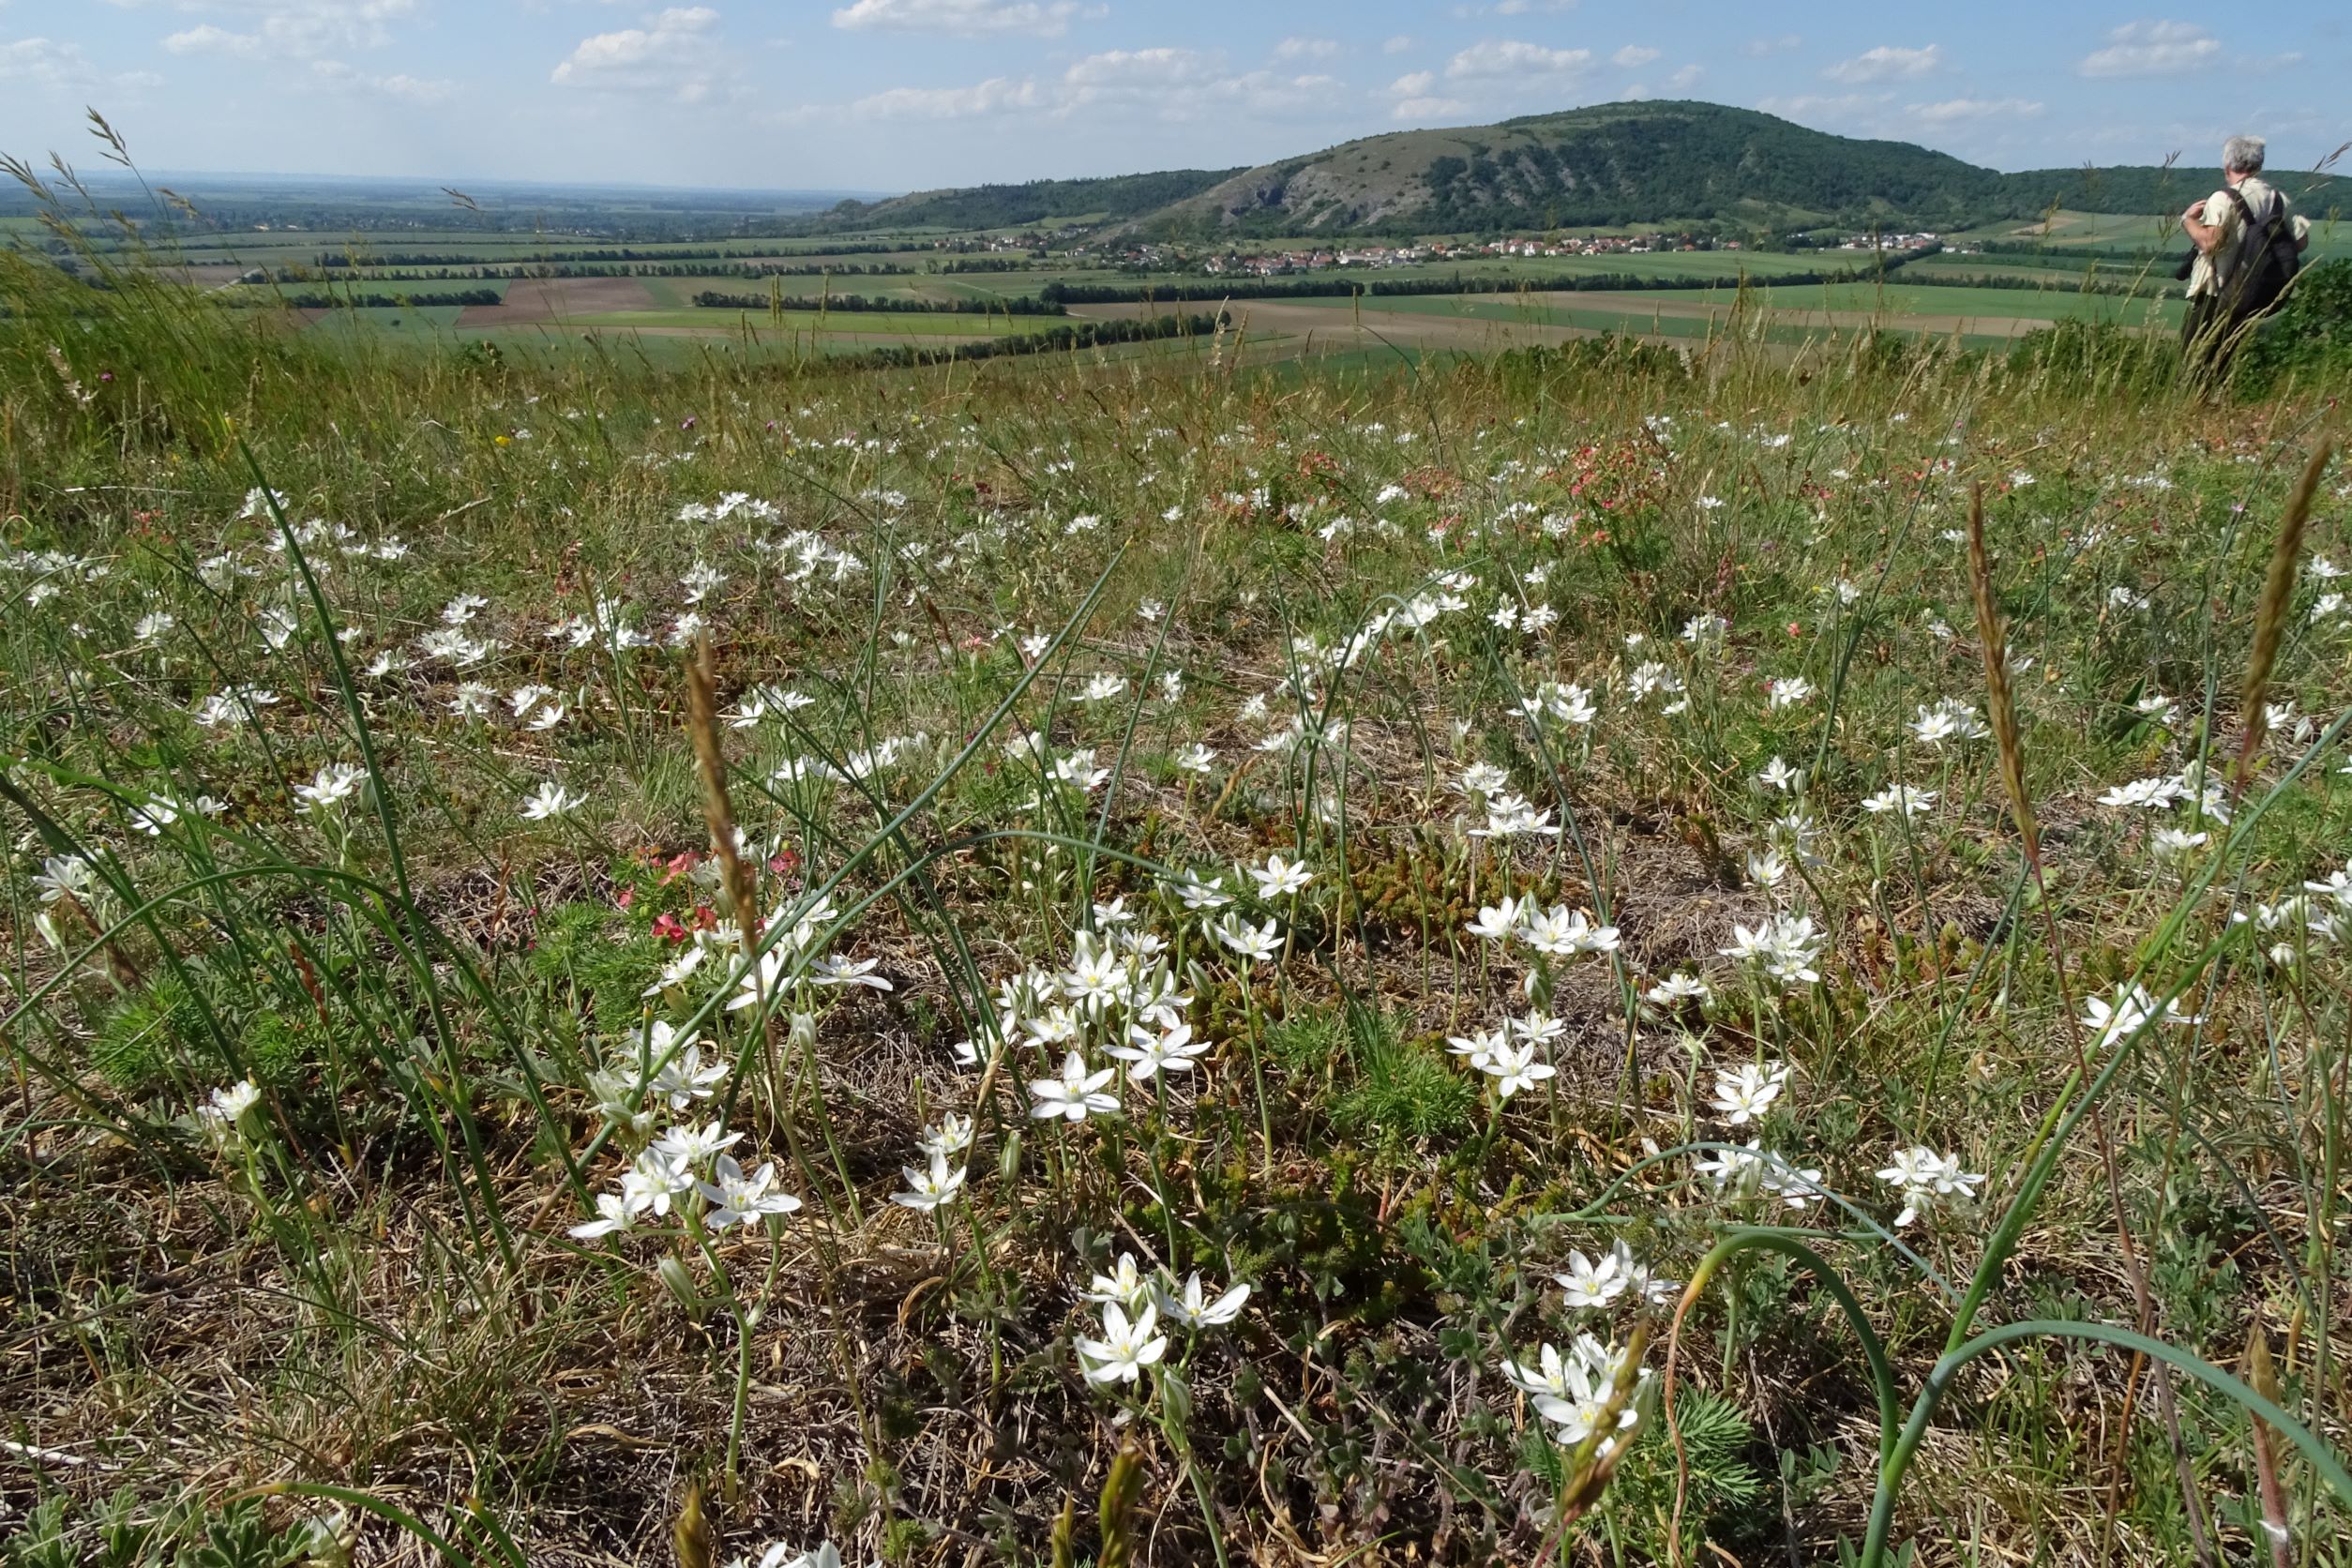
point(2192, 213)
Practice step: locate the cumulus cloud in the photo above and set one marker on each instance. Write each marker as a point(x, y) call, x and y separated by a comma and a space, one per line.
point(1757, 49)
point(293, 29)
point(1045, 19)
point(1306, 48)
point(1424, 111)
point(401, 86)
point(1887, 63)
point(1417, 100)
point(1160, 83)
point(997, 96)
point(209, 40)
point(44, 63)
point(1682, 80)
point(675, 53)
point(40, 64)
point(1837, 108)
point(1124, 72)
point(1969, 111)
point(1186, 83)
point(1509, 59)
point(1397, 45)
point(2152, 49)
point(1633, 56)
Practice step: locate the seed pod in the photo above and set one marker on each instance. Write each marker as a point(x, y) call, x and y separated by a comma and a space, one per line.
point(691, 1535)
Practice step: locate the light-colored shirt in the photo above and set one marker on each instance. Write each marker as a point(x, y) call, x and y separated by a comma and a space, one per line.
point(2221, 213)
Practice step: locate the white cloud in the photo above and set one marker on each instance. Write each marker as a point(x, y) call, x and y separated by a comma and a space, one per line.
point(414, 88)
point(1421, 111)
point(2152, 49)
point(209, 40)
point(406, 88)
point(1633, 56)
point(1397, 45)
point(1887, 63)
point(44, 63)
point(1510, 59)
point(675, 53)
point(1186, 83)
point(1306, 48)
point(1159, 84)
point(1414, 85)
point(49, 65)
point(1841, 108)
point(1045, 19)
point(1124, 72)
point(1755, 49)
point(292, 29)
point(1967, 110)
point(1686, 77)
point(997, 96)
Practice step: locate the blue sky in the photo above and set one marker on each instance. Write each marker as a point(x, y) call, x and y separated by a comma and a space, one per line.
point(904, 94)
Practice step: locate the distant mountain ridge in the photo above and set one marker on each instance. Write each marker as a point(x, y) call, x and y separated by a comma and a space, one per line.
point(1646, 161)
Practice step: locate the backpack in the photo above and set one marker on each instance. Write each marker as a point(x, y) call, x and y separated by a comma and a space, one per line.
point(2265, 260)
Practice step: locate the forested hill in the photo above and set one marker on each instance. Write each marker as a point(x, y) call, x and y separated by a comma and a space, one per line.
point(1607, 164)
point(2156, 190)
point(1000, 206)
point(1610, 164)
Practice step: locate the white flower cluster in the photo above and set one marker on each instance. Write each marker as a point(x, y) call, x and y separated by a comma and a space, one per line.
point(1571, 1392)
point(1134, 1304)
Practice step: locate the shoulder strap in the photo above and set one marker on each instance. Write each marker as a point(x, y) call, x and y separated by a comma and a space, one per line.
point(2258, 235)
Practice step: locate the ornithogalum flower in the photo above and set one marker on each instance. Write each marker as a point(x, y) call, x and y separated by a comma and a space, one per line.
point(1279, 878)
point(1125, 1286)
point(1515, 1068)
point(1189, 1307)
point(1745, 1092)
point(1923, 1178)
point(928, 1188)
point(1126, 1347)
point(1076, 1095)
point(1149, 1053)
point(1252, 944)
point(551, 800)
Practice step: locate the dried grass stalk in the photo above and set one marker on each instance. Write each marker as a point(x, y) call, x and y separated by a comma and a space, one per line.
point(718, 810)
point(2265, 1379)
point(2278, 590)
point(2000, 700)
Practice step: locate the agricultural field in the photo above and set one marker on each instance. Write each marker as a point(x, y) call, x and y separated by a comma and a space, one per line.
point(1171, 954)
point(1783, 315)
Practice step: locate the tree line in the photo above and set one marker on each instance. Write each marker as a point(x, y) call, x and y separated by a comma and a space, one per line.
point(1059, 339)
point(1340, 288)
point(336, 259)
point(321, 300)
point(2053, 284)
point(513, 271)
point(1010, 306)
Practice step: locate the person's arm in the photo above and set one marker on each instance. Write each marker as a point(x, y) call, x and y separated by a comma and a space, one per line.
point(2203, 235)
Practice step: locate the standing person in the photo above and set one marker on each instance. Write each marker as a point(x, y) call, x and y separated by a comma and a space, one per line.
point(2249, 246)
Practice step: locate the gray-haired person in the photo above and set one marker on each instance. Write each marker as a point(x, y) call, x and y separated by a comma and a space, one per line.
point(2249, 246)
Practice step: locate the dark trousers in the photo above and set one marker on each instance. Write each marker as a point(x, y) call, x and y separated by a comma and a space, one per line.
point(2211, 332)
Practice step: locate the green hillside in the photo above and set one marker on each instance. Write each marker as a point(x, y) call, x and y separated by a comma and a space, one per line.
point(1605, 165)
point(1002, 206)
point(2152, 190)
point(1608, 164)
